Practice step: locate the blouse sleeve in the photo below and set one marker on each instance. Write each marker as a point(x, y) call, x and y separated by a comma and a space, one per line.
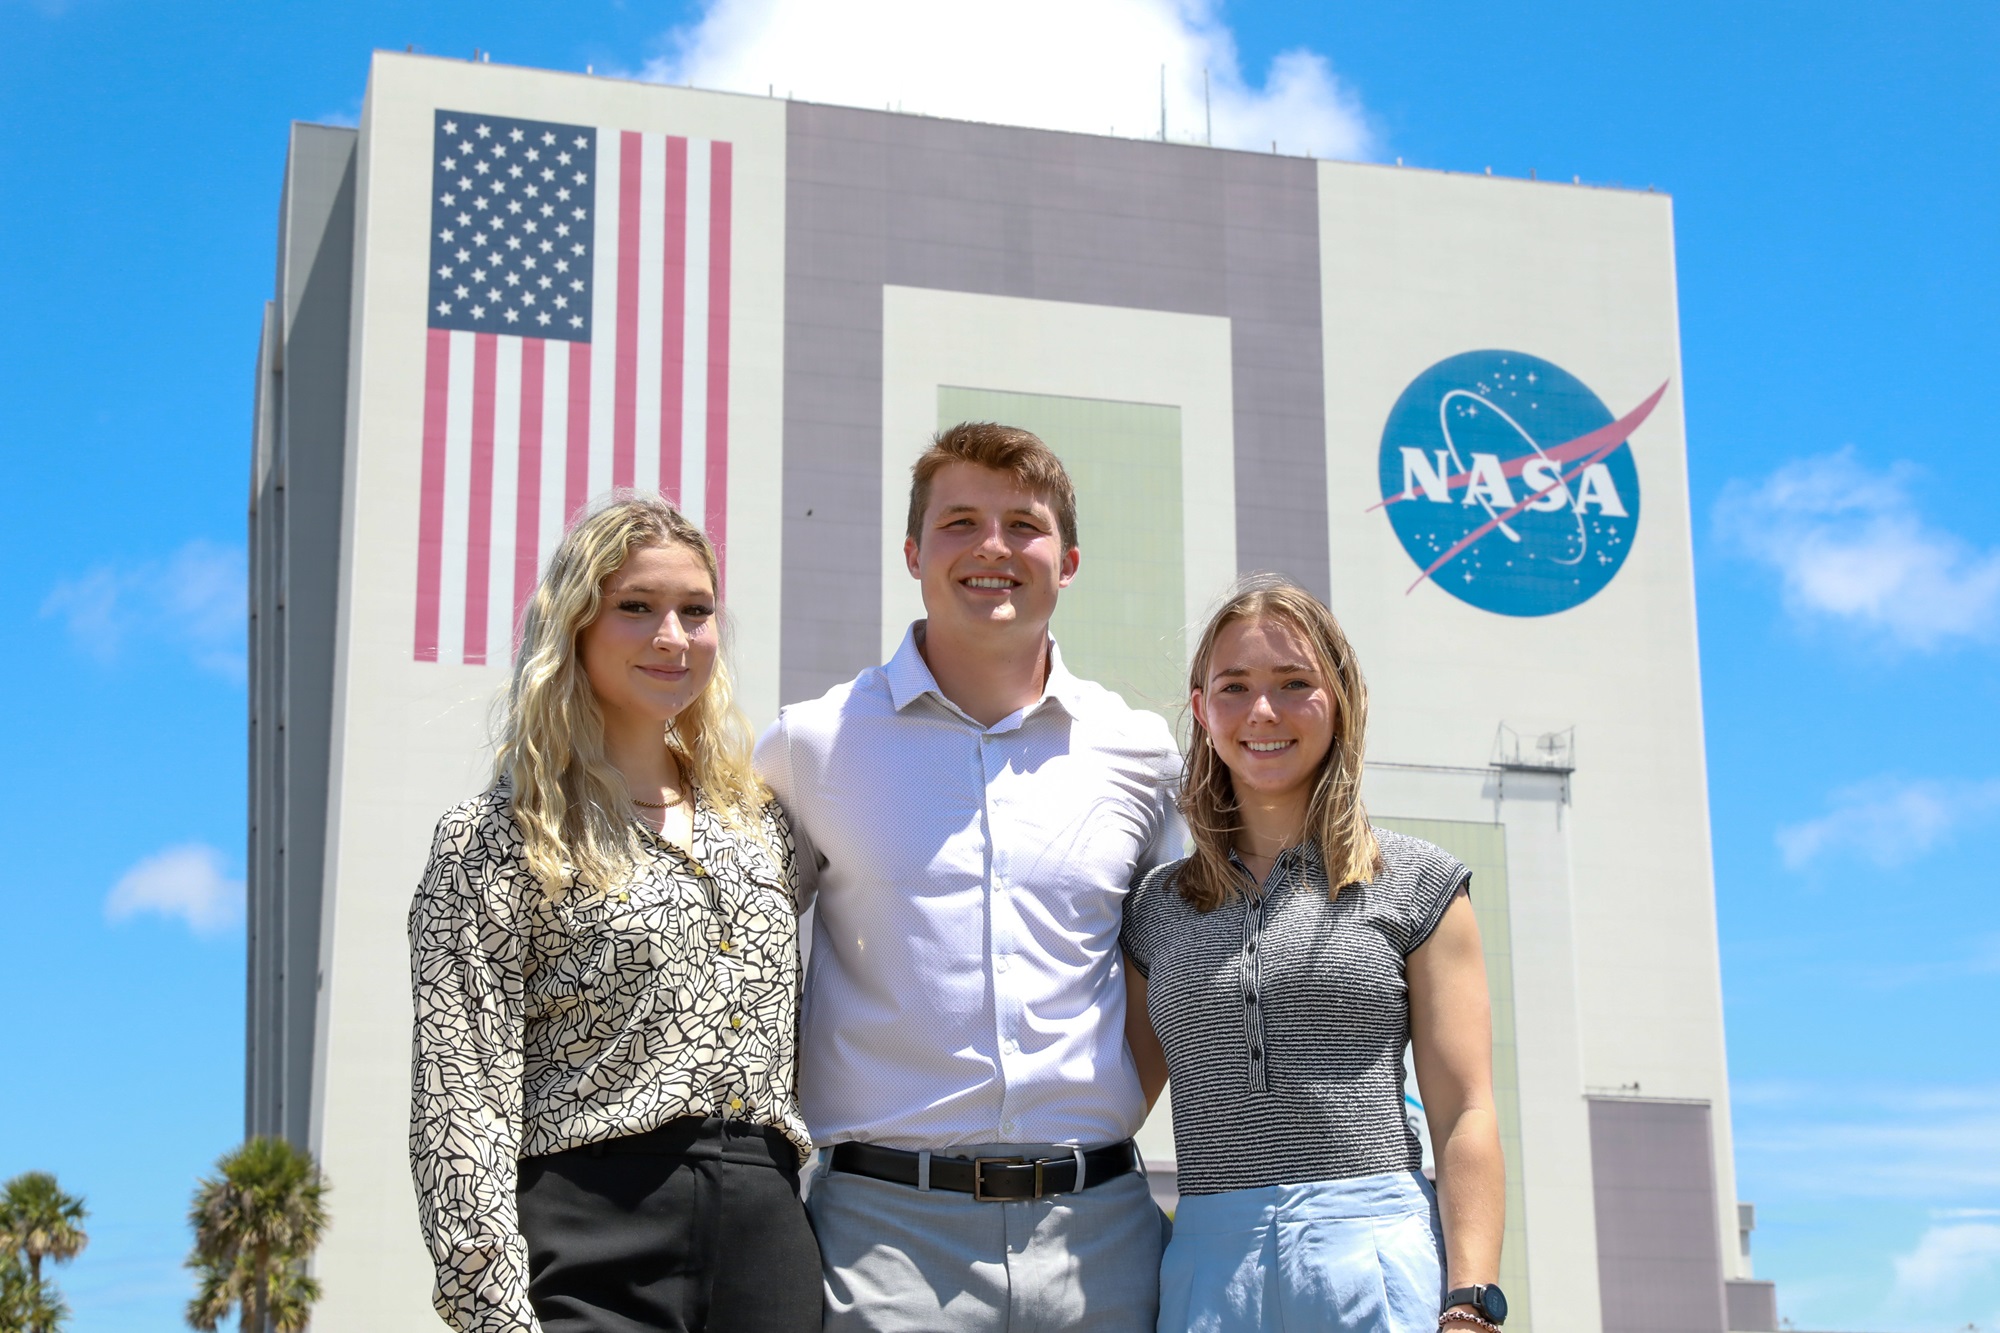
point(465, 1107)
point(784, 847)
point(1133, 935)
point(1434, 880)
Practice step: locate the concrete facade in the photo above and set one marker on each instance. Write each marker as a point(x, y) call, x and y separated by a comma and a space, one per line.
point(295, 519)
point(880, 200)
point(1260, 318)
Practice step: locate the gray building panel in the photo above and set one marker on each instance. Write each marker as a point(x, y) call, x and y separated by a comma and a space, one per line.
point(1753, 1306)
point(874, 199)
point(263, 939)
point(295, 548)
point(1659, 1251)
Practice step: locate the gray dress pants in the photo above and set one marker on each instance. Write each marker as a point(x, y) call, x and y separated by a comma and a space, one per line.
point(901, 1260)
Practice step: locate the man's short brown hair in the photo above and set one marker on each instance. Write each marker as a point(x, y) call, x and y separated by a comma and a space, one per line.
point(1009, 449)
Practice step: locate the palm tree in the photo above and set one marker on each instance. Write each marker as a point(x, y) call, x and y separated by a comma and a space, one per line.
point(38, 1221)
point(256, 1222)
point(24, 1307)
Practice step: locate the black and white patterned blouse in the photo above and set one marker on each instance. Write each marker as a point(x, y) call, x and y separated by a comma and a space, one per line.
point(1284, 1015)
point(548, 1025)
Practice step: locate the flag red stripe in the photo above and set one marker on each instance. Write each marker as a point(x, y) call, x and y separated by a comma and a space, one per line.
point(625, 409)
point(673, 317)
point(576, 475)
point(479, 497)
point(430, 495)
point(528, 489)
point(715, 500)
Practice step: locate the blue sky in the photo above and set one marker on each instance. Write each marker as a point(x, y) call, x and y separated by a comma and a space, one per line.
point(1835, 191)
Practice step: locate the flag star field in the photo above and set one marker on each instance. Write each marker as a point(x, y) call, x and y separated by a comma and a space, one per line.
point(511, 226)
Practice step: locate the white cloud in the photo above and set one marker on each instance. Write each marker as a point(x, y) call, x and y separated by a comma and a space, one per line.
point(195, 600)
point(1848, 1173)
point(188, 882)
point(1949, 1258)
point(1889, 821)
point(1087, 65)
point(1849, 545)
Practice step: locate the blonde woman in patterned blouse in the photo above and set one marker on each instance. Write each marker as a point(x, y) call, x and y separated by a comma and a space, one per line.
point(605, 959)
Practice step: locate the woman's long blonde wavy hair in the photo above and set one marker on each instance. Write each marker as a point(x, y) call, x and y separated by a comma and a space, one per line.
point(1335, 817)
point(572, 806)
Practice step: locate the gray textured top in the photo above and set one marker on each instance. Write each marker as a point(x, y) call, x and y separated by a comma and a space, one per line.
point(1285, 1015)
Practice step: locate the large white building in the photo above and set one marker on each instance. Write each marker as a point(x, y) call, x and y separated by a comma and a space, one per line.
point(1450, 404)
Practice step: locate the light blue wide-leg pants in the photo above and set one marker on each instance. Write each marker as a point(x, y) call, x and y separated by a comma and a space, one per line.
point(1362, 1256)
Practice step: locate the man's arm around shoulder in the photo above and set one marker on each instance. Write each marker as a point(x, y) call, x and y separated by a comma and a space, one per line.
point(774, 764)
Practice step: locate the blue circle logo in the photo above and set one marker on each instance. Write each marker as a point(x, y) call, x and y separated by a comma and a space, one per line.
point(1511, 484)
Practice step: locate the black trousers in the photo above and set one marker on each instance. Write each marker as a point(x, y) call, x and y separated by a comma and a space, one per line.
point(694, 1227)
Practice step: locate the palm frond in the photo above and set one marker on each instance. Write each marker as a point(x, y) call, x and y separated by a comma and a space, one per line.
point(256, 1222)
point(39, 1220)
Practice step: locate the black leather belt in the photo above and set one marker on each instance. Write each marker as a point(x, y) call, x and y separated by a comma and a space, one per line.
point(990, 1179)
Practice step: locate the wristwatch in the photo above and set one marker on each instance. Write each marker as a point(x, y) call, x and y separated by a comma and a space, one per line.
point(1488, 1300)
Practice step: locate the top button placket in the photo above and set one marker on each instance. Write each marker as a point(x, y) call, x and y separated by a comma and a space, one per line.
point(1001, 923)
point(727, 962)
point(1250, 965)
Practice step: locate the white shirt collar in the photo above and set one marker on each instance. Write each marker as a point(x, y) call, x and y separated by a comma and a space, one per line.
point(910, 678)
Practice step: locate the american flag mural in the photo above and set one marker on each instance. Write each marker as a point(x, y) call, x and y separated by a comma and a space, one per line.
point(578, 339)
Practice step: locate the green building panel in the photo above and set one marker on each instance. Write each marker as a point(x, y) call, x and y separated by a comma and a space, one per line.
point(1123, 622)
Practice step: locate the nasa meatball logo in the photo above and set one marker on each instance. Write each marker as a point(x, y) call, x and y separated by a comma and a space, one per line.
point(1511, 484)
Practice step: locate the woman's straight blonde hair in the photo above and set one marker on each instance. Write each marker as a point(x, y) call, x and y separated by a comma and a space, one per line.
point(571, 805)
point(1336, 820)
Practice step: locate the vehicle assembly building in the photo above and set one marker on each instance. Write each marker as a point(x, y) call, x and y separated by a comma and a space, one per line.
point(1449, 404)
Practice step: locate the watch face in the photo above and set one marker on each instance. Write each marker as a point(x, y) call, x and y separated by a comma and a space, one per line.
point(1493, 1303)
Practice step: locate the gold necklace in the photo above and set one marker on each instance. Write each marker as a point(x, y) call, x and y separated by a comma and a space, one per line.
point(659, 805)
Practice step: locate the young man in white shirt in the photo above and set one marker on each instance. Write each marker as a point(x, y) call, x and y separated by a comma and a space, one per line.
point(968, 818)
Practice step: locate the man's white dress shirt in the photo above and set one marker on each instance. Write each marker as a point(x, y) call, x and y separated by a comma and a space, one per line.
point(965, 984)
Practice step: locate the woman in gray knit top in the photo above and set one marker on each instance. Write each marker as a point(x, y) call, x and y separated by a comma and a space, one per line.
point(1288, 963)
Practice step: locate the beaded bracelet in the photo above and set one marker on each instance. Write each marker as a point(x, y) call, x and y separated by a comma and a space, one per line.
point(1457, 1316)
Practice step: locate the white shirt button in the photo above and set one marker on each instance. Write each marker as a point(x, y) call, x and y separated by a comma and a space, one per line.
point(1007, 1128)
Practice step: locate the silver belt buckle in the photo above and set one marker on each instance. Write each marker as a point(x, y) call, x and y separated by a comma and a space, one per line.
point(979, 1165)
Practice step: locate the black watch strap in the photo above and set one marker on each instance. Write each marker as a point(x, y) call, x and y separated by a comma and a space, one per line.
point(1487, 1299)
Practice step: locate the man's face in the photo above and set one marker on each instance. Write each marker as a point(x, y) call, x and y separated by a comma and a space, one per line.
point(990, 556)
